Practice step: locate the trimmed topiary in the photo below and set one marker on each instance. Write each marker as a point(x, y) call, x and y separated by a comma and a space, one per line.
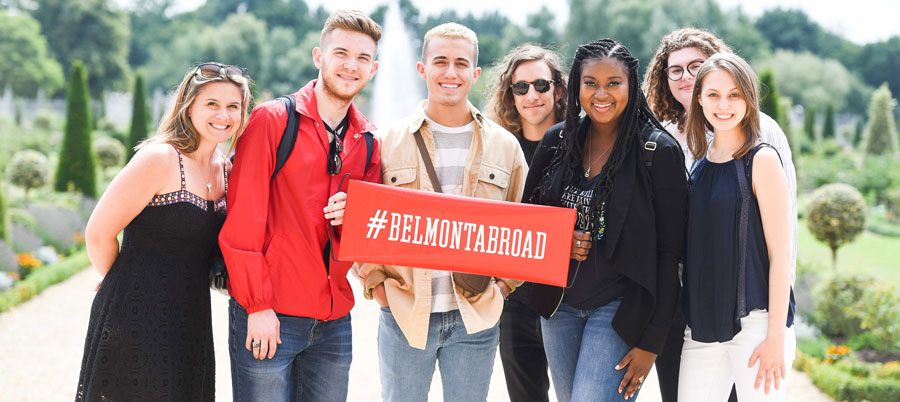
point(881, 136)
point(109, 152)
point(28, 169)
point(75, 170)
point(836, 215)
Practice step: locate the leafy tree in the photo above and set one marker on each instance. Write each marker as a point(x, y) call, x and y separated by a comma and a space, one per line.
point(835, 216)
point(25, 65)
point(828, 129)
point(810, 80)
point(241, 40)
point(140, 116)
point(75, 170)
point(28, 169)
point(792, 29)
point(881, 138)
point(769, 102)
point(293, 67)
point(90, 31)
point(540, 25)
point(878, 63)
point(809, 123)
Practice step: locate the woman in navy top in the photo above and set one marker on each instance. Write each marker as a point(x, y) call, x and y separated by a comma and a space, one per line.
point(738, 301)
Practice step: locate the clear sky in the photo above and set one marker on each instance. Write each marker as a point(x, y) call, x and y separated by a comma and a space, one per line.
point(861, 21)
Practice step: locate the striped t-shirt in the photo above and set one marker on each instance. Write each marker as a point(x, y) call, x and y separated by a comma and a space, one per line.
point(451, 148)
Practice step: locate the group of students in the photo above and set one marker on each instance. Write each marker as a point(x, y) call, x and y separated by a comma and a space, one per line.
point(682, 252)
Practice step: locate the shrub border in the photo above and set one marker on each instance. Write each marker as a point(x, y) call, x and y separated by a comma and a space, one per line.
point(42, 278)
point(843, 386)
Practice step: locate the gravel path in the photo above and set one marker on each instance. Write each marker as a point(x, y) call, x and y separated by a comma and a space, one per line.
point(41, 344)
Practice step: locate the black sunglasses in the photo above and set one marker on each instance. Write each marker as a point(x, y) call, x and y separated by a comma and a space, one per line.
point(214, 70)
point(521, 87)
point(334, 150)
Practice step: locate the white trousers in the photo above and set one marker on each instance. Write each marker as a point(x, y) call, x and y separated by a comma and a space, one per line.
point(708, 370)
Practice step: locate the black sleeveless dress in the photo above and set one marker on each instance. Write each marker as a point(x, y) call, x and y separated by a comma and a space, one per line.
point(150, 333)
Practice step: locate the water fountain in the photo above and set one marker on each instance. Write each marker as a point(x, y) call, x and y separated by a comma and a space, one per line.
point(398, 88)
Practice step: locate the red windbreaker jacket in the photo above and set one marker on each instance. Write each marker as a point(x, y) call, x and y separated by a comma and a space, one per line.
point(275, 233)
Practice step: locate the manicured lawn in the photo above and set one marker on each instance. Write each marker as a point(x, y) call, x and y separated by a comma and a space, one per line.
point(870, 254)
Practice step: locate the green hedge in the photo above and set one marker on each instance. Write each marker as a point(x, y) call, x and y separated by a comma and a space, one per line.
point(42, 278)
point(844, 383)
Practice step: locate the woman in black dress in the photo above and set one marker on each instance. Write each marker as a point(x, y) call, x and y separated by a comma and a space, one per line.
point(150, 331)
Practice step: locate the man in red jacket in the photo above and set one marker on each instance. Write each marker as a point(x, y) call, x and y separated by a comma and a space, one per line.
point(289, 331)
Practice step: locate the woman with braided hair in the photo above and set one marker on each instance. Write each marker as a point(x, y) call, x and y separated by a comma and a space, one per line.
point(624, 175)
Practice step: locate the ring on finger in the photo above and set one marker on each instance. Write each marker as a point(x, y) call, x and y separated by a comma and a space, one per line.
point(254, 344)
point(640, 380)
point(577, 243)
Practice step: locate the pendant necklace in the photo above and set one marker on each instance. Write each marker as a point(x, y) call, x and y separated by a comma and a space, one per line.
point(587, 173)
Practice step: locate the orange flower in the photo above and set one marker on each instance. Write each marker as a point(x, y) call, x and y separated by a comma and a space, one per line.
point(14, 275)
point(27, 260)
point(836, 352)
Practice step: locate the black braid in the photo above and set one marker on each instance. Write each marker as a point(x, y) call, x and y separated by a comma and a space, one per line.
point(566, 162)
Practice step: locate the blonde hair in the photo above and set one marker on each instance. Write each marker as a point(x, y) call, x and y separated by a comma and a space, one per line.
point(454, 31)
point(656, 85)
point(176, 128)
point(501, 107)
point(746, 82)
point(351, 20)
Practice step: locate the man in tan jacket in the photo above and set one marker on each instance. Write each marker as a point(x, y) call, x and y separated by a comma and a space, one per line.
point(425, 315)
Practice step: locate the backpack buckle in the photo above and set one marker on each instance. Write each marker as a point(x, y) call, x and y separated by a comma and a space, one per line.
point(650, 146)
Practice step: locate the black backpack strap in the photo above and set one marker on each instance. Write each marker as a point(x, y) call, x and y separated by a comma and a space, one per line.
point(370, 144)
point(649, 147)
point(286, 145)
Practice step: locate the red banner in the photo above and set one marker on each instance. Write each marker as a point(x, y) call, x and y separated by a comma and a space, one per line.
point(398, 226)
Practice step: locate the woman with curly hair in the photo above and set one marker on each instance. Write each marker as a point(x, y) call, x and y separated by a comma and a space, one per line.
point(669, 85)
point(619, 169)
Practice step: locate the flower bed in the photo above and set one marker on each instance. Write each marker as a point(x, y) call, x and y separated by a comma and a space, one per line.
point(851, 380)
point(42, 278)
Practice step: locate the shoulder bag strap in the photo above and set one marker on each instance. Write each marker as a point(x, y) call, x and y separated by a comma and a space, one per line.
point(370, 144)
point(429, 167)
point(744, 185)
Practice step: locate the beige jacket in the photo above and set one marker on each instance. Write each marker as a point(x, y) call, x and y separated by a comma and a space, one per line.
point(495, 169)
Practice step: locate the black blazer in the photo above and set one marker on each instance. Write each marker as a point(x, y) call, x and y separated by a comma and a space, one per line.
point(646, 219)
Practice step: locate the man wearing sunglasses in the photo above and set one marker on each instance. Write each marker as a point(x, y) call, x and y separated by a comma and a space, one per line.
point(426, 315)
point(528, 97)
point(289, 331)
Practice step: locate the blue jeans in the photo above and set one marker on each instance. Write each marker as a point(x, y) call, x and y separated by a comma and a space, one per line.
point(582, 351)
point(311, 364)
point(466, 360)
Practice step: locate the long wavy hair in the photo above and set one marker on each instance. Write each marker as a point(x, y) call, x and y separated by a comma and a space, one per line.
point(501, 107)
point(656, 83)
point(176, 128)
point(746, 82)
point(566, 164)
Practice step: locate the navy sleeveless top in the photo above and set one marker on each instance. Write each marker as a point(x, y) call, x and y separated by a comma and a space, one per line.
point(726, 272)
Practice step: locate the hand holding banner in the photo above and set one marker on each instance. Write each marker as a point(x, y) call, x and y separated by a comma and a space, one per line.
point(398, 226)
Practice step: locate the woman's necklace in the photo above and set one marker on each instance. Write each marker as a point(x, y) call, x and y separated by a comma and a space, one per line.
point(587, 173)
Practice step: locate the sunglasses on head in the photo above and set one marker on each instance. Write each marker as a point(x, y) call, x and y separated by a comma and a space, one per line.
point(214, 70)
point(521, 87)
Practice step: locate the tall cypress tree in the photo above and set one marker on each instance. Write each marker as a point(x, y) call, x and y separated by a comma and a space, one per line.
point(828, 130)
point(769, 104)
point(4, 226)
point(809, 123)
point(76, 162)
point(881, 137)
point(858, 134)
point(139, 115)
